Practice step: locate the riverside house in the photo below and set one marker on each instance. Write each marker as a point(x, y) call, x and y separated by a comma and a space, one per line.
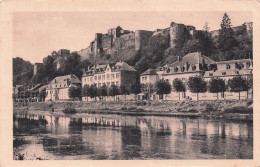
point(119, 73)
point(196, 64)
point(58, 88)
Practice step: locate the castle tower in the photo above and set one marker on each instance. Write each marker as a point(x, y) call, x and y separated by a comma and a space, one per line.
point(98, 43)
point(37, 67)
point(177, 35)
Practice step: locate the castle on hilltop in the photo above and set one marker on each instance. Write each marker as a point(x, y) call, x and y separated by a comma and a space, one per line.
point(118, 38)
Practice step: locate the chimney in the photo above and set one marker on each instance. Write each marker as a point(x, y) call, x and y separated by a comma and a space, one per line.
point(179, 58)
point(187, 65)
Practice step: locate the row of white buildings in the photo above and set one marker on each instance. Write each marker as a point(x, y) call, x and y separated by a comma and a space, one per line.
point(120, 73)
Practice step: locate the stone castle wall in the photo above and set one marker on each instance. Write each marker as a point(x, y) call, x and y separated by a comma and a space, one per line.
point(117, 38)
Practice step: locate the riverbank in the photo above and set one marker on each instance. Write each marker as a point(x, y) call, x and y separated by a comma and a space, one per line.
point(228, 109)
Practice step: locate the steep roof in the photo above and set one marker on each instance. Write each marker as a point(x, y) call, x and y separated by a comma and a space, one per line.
point(234, 61)
point(193, 58)
point(124, 66)
point(63, 79)
point(35, 87)
point(229, 72)
point(150, 72)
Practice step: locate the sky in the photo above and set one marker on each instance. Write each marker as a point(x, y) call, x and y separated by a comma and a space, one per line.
point(37, 34)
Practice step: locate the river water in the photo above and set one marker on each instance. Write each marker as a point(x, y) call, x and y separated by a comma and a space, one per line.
point(130, 137)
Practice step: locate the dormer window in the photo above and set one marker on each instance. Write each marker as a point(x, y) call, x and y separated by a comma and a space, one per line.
point(182, 69)
point(227, 66)
point(193, 68)
point(176, 69)
point(237, 72)
point(223, 73)
point(168, 70)
point(248, 64)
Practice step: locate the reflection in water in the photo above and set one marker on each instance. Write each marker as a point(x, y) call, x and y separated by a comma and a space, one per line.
point(125, 137)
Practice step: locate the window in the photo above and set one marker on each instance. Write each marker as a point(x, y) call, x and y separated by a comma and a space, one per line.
point(64, 85)
point(99, 84)
point(107, 69)
point(112, 83)
point(176, 69)
point(237, 72)
point(90, 78)
point(117, 83)
point(103, 77)
point(227, 66)
point(85, 79)
point(182, 69)
point(108, 84)
point(117, 75)
point(112, 76)
point(99, 77)
point(95, 78)
point(223, 73)
point(248, 64)
point(107, 76)
point(193, 68)
point(210, 74)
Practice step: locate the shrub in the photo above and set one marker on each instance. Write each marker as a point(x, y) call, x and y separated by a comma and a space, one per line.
point(69, 109)
point(18, 142)
point(240, 110)
point(249, 103)
point(209, 108)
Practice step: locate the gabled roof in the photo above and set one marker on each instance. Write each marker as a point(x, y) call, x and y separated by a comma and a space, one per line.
point(63, 79)
point(150, 72)
point(193, 58)
point(35, 87)
point(119, 66)
point(124, 66)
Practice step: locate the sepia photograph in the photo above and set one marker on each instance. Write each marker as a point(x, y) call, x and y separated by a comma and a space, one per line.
point(132, 85)
point(169, 88)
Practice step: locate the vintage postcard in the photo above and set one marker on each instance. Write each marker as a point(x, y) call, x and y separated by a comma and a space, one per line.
point(129, 80)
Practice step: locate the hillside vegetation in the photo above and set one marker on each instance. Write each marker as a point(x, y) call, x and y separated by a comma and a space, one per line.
point(229, 44)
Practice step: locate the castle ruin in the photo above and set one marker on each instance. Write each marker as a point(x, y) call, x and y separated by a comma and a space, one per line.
point(118, 38)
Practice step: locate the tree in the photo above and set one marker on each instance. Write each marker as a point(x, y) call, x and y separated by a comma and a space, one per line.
point(74, 92)
point(22, 71)
point(135, 89)
point(85, 90)
point(123, 91)
point(197, 85)
point(102, 91)
point(42, 95)
point(217, 85)
point(147, 89)
point(113, 91)
point(226, 38)
point(162, 87)
point(72, 65)
point(238, 84)
point(178, 86)
point(49, 67)
point(92, 91)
